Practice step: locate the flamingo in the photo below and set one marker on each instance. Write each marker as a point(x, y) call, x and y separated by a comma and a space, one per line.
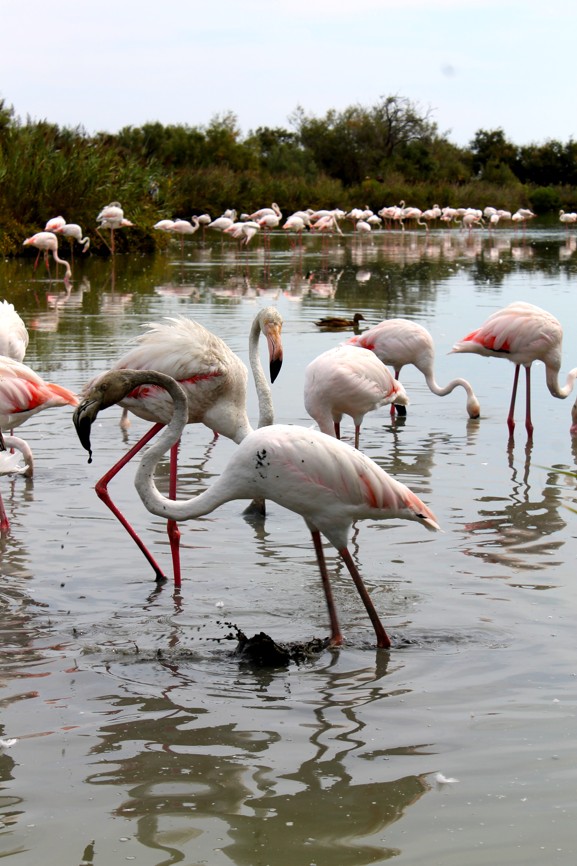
point(398, 342)
point(11, 464)
point(567, 218)
point(184, 227)
point(48, 242)
point(13, 333)
point(23, 393)
point(54, 224)
point(347, 380)
point(214, 379)
point(73, 232)
point(112, 217)
point(243, 232)
point(522, 333)
point(163, 225)
point(327, 482)
point(274, 211)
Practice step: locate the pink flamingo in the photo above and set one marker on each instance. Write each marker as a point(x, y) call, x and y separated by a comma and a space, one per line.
point(47, 242)
point(347, 380)
point(399, 342)
point(214, 379)
point(522, 333)
point(327, 482)
point(112, 217)
point(23, 393)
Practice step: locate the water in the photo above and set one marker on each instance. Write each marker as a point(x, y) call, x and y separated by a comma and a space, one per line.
point(141, 736)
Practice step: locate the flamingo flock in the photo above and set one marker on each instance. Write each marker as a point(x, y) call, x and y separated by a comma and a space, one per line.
point(264, 221)
point(178, 373)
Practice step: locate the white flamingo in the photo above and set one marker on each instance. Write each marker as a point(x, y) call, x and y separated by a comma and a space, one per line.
point(215, 381)
point(327, 482)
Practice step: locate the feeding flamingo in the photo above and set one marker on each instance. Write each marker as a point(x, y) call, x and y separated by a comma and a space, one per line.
point(73, 232)
point(399, 342)
point(47, 242)
point(522, 333)
point(215, 381)
point(347, 380)
point(327, 482)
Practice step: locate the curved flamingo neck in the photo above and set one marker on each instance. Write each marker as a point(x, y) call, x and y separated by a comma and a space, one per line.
point(265, 404)
point(557, 390)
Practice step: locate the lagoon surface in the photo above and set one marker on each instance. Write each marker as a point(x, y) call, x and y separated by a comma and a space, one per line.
point(140, 736)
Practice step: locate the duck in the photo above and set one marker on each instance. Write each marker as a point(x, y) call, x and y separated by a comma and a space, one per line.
point(339, 323)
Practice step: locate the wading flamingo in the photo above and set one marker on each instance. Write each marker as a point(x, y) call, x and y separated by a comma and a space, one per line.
point(73, 232)
point(214, 380)
point(327, 482)
point(112, 217)
point(522, 333)
point(47, 242)
point(398, 342)
point(351, 381)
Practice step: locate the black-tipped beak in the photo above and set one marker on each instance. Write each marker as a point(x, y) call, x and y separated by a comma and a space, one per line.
point(275, 365)
point(84, 417)
point(273, 338)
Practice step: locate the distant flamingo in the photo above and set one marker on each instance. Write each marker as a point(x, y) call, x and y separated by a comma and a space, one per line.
point(567, 218)
point(522, 333)
point(182, 228)
point(243, 232)
point(351, 381)
point(48, 242)
point(54, 224)
point(73, 232)
point(214, 379)
point(325, 481)
point(399, 342)
point(112, 217)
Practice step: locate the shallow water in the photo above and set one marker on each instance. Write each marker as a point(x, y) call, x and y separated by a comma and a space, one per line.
point(141, 736)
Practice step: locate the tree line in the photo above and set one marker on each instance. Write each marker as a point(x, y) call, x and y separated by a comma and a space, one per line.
point(359, 157)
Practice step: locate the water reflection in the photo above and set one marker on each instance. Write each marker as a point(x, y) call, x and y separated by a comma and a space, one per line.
point(521, 527)
point(196, 755)
point(194, 784)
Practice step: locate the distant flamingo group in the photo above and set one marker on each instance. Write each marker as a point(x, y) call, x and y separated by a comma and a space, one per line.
point(266, 220)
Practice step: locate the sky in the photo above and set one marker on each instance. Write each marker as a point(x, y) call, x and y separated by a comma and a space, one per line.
point(471, 64)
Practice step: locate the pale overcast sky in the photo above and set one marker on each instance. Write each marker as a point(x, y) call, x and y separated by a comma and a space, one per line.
point(477, 64)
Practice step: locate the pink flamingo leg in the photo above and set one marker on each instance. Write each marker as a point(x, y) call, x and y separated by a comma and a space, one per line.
point(172, 526)
point(102, 492)
point(528, 422)
point(510, 418)
point(382, 637)
point(336, 634)
point(4, 522)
